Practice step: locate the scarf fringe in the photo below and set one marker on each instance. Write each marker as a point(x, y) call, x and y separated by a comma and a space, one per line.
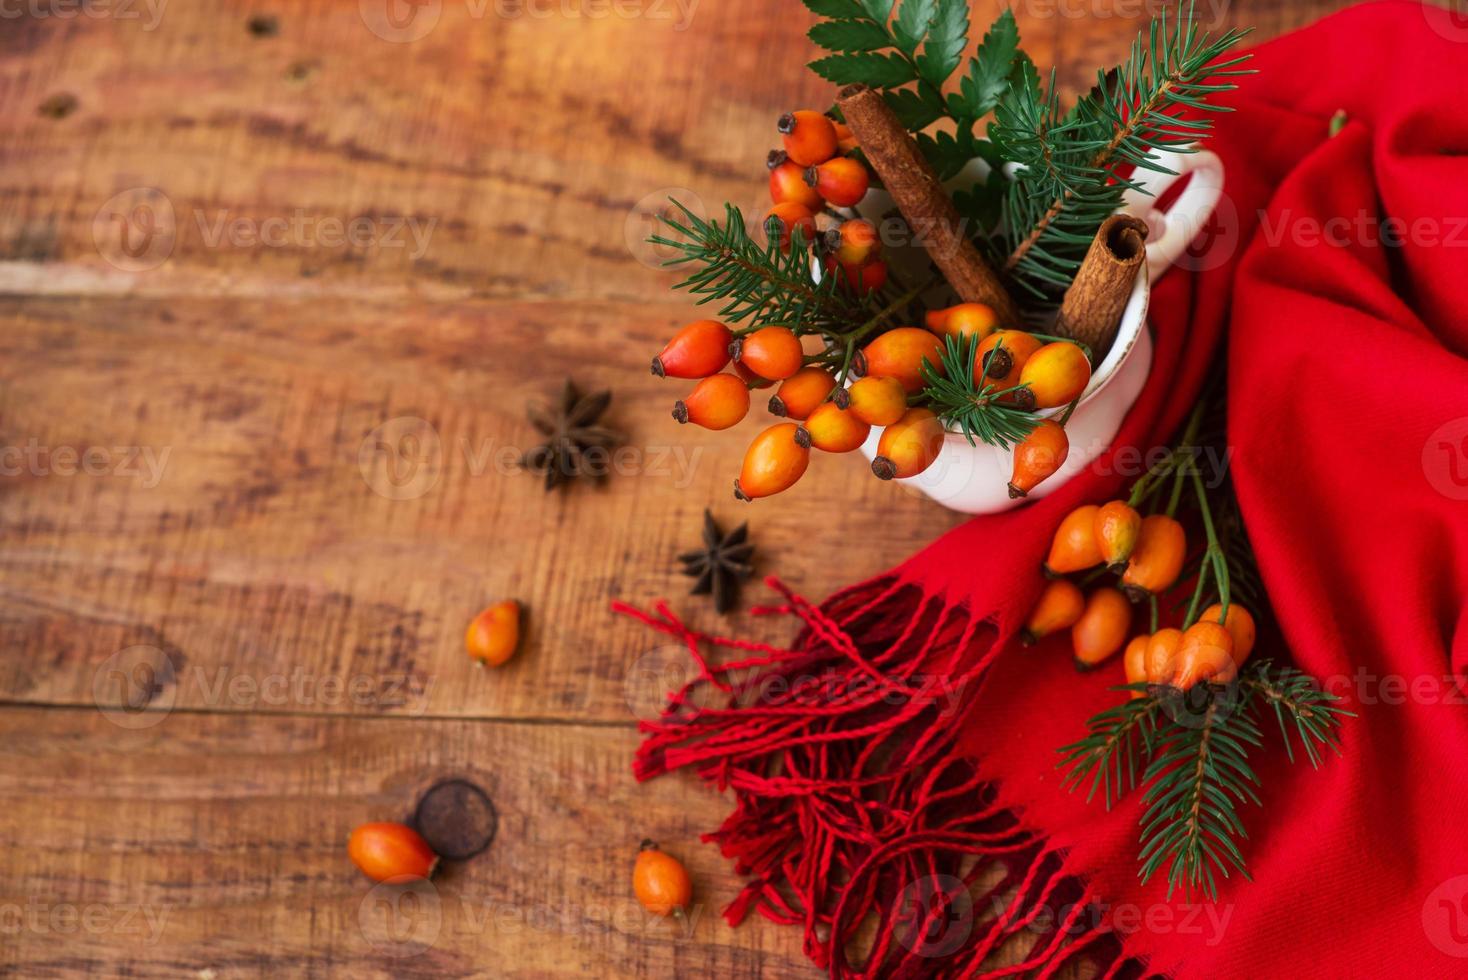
point(854, 818)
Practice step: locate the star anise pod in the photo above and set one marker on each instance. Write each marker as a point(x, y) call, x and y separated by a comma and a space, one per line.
point(722, 563)
point(575, 446)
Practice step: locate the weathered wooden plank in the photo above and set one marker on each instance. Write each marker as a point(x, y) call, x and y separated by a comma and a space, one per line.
point(216, 843)
point(242, 518)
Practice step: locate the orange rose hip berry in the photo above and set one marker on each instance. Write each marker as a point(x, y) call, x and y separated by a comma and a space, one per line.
point(787, 183)
point(770, 352)
point(832, 429)
point(775, 460)
point(698, 350)
point(840, 181)
point(660, 881)
point(877, 401)
point(809, 137)
point(802, 393)
point(494, 634)
point(716, 402)
point(385, 851)
point(909, 445)
point(1038, 456)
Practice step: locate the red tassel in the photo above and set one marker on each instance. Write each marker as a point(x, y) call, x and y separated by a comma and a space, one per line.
point(850, 802)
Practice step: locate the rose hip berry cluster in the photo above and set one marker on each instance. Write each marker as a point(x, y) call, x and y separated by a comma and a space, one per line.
point(829, 399)
point(811, 176)
point(1148, 553)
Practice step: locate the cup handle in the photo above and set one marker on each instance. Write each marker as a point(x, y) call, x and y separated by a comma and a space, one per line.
point(1182, 222)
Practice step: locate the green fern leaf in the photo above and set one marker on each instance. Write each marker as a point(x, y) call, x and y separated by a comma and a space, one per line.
point(849, 36)
point(876, 70)
point(990, 71)
point(947, 37)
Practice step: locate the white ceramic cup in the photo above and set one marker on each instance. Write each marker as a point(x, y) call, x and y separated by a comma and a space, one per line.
point(974, 478)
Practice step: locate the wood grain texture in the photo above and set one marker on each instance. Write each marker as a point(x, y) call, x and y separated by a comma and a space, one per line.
point(259, 470)
point(215, 842)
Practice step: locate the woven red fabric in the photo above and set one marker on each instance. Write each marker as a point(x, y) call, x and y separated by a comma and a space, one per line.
point(903, 743)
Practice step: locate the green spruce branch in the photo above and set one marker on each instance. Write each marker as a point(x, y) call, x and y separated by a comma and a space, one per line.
point(1191, 752)
point(1198, 775)
point(756, 283)
point(1117, 743)
point(1301, 708)
point(963, 397)
point(1072, 162)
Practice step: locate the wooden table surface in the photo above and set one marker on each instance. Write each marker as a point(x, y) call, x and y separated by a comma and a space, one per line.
point(278, 281)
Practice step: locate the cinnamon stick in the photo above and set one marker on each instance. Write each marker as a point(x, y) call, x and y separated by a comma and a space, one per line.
point(1096, 299)
point(913, 184)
